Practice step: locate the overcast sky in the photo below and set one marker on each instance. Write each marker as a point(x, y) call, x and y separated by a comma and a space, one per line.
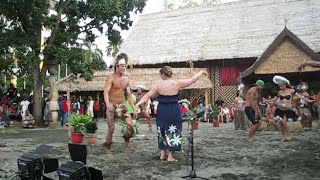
point(152, 6)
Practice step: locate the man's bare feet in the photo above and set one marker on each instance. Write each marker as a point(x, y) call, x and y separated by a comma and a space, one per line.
point(250, 140)
point(150, 128)
point(128, 145)
point(109, 152)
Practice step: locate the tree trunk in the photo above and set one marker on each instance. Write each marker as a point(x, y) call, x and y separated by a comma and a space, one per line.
point(37, 98)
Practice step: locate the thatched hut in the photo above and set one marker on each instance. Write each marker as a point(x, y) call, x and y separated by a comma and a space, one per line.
point(225, 38)
point(138, 77)
point(284, 57)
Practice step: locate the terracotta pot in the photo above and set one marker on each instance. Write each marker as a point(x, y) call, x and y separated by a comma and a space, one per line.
point(195, 125)
point(216, 123)
point(92, 140)
point(76, 138)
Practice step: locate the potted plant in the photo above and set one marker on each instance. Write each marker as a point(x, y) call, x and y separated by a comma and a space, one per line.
point(77, 124)
point(91, 129)
point(213, 112)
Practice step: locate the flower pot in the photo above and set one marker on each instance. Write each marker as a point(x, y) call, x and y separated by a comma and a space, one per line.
point(195, 125)
point(76, 138)
point(92, 140)
point(216, 123)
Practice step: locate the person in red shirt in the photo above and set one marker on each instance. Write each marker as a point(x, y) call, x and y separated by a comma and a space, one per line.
point(183, 109)
point(96, 109)
point(66, 113)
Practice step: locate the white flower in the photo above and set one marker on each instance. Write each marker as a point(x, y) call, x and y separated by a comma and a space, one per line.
point(176, 140)
point(172, 128)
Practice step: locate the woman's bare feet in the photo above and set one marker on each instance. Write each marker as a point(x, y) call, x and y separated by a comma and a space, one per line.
point(170, 157)
point(163, 155)
point(250, 140)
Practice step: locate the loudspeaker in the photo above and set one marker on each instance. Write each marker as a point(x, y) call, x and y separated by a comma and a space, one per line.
point(78, 152)
point(95, 174)
point(73, 171)
point(50, 165)
point(30, 167)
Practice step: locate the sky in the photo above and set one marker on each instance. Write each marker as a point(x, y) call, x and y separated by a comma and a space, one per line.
point(152, 6)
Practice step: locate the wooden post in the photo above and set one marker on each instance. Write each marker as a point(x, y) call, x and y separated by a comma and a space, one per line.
point(68, 104)
point(206, 97)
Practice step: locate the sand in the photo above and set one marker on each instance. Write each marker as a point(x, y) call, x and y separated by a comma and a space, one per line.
point(220, 153)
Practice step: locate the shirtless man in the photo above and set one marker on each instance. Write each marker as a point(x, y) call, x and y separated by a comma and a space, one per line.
point(116, 90)
point(252, 109)
point(143, 108)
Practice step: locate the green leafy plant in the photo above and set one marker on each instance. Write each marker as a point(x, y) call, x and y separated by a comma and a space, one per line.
point(91, 127)
point(123, 125)
point(78, 122)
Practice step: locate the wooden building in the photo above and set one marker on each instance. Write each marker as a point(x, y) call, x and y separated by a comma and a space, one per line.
point(225, 38)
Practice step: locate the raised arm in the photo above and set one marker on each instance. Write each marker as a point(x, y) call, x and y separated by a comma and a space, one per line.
point(153, 91)
point(107, 87)
point(187, 82)
point(310, 63)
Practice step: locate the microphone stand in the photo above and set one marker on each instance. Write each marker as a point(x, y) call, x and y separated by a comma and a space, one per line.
point(192, 173)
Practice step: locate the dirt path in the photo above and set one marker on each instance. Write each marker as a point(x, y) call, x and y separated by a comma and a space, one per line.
point(220, 153)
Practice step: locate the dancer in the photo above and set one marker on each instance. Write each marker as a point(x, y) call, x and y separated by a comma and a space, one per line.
point(284, 111)
point(252, 109)
point(115, 90)
point(169, 120)
point(240, 121)
point(143, 108)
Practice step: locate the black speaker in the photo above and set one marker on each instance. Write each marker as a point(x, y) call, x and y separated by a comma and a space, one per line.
point(30, 167)
point(78, 152)
point(73, 171)
point(95, 174)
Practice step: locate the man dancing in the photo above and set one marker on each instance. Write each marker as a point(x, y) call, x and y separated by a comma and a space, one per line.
point(252, 109)
point(116, 90)
point(143, 108)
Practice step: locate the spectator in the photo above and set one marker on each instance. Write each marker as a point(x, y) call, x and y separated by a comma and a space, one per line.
point(28, 120)
point(66, 111)
point(90, 107)
point(225, 113)
point(24, 106)
point(5, 122)
point(219, 102)
point(12, 92)
point(183, 109)
point(96, 109)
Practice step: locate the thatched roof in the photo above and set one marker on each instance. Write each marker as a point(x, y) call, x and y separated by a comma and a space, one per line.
point(225, 31)
point(138, 77)
point(283, 62)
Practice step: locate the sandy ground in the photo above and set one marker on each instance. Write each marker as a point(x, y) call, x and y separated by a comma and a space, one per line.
point(220, 153)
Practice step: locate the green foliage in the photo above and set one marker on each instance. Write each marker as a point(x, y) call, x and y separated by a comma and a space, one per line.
point(136, 126)
point(78, 122)
point(91, 127)
point(22, 21)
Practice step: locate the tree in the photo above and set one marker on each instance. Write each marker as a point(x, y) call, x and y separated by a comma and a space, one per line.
point(23, 21)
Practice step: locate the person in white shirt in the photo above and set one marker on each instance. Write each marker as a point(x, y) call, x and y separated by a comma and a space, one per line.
point(90, 107)
point(24, 107)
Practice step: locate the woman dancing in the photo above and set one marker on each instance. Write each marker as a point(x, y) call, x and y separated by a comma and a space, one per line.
point(284, 111)
point(169, 120)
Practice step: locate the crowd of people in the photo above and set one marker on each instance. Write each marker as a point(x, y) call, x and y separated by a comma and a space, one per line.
point(15, 107)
